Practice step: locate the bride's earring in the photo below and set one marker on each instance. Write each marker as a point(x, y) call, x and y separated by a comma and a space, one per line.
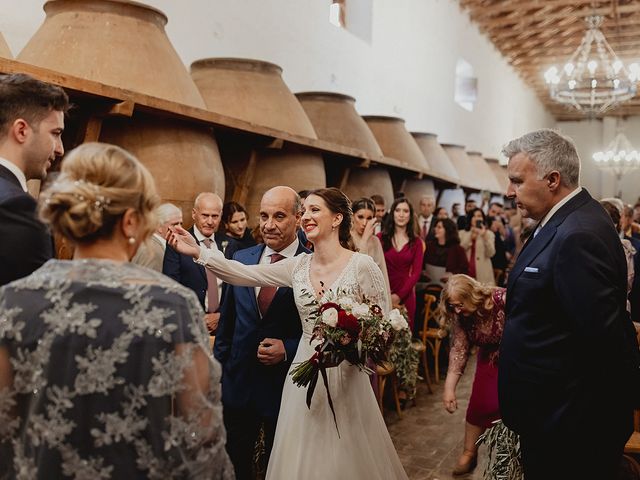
point(131, 240)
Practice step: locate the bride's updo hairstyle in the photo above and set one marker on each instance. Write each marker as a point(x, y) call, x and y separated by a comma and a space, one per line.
point(97, 184)
point(338, 202)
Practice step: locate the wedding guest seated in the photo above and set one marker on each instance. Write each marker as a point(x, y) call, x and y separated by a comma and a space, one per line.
point(235, 235)
point(476, 315)
point(151, 252)
point(104, 365)
point(444, 256)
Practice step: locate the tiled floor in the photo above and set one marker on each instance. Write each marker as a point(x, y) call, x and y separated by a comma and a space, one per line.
point(428, 438)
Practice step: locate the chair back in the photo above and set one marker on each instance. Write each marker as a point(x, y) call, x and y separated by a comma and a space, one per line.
point(430, 302)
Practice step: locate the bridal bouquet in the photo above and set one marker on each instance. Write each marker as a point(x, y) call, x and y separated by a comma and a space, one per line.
point(359, 333)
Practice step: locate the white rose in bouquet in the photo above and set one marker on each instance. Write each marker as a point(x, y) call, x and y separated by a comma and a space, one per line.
point(330, 317)
point(345, 302)
point(397, 320)
point(360, 310)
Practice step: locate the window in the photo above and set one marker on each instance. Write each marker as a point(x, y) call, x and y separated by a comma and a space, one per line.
point(355, 16)
point(466, 87)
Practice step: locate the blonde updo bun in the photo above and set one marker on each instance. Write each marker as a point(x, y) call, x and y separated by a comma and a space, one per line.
point(98, 182)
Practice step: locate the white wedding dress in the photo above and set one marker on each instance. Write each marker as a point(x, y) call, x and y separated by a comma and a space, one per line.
point(307, 445)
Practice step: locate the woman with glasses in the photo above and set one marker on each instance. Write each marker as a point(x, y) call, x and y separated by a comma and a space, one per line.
point(476, 315)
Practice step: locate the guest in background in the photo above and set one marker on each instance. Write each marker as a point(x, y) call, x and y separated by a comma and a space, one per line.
point(381, 212)
point(476, 315)
point(258, 336)
point(479, 244)
point(463, 220)
point(236, 234)
point(364, 222)
point(31, 125)
point(455, 212)
point(426, 217)
point(444, 256)
point(441, 213)
point(302, 237)
point(500, 259)
point(206, 215)
point(629, 227)
point(403, 253)
point(627, 231)
point(151, 251)
point(115, 379)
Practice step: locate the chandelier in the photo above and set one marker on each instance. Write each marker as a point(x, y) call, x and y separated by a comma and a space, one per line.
point(619, 157)
point(594, 79)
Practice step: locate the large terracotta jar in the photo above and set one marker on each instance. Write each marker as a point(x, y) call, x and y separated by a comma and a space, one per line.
point(124, 44)
point(439, 162)
point(396, 142)
point(335, 119)
point(253, 90)
point(5, 51)
point(500, 171)
point(364, 182)
point(414, 189)
point(250, 90)
point(463, 165)
point(484, 172)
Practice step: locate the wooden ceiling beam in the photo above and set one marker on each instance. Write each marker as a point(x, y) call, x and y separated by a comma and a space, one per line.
point(502, 7)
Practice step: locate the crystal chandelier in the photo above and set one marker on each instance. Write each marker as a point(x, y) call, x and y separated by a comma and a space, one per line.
point(594, 79)
point(619, 157)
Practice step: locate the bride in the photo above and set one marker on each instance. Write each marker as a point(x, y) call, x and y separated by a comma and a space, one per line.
point(306, 442)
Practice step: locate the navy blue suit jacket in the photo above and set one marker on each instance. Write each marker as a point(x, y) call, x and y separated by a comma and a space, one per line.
point(567, 346)
point(246, 383)
point(185, 271)
point(25, 243)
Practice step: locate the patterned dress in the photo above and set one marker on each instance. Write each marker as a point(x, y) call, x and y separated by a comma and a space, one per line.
point(110, 377)
point(486, 333)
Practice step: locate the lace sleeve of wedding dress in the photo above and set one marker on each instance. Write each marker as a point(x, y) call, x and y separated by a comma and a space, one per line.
point(372, 284)
point(277, 274)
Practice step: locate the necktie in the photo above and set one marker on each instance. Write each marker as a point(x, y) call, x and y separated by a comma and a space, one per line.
point(424, 230)
point(213, 301)
point(265, 297)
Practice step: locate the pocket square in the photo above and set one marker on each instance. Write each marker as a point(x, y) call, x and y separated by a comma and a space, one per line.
point(531, 269)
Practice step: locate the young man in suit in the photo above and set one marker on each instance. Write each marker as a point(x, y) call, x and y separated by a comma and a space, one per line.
point(258, 335)
point(31, 125)
point(568, 349)
point(206, 215)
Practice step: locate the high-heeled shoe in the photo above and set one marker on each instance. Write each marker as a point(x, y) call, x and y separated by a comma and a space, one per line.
point(466, 463)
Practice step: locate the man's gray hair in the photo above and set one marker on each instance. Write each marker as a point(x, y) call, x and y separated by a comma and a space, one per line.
point(549, 150)
point(166, 211)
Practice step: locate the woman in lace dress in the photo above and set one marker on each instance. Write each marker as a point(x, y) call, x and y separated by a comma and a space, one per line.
point(307, 445)
point(104, 365)
point(476, 314)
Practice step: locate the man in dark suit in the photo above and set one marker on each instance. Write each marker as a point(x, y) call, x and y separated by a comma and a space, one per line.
point(568, 350)
point(31, 125)
point(206, 215)
point(258, 335)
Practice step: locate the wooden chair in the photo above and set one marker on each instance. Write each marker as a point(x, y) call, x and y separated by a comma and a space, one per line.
point(384, 371)
point(432, 333)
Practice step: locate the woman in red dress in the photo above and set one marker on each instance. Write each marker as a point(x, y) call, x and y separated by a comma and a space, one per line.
point(403, 253)
point(476, 314)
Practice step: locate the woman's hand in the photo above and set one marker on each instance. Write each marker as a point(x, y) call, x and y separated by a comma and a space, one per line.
point(368, 230)
point(449, 401)
point(395, 300)
point(182, 241)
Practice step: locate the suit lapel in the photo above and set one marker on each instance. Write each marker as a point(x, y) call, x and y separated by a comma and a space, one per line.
point(283, 290)
point(534, 246)
point(202, 270)
point(254, 259)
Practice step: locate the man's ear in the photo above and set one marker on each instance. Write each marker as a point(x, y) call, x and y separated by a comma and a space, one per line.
point(553, 180)
point(20, 130)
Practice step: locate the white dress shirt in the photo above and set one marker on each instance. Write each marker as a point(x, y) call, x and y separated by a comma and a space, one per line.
point(214, 246)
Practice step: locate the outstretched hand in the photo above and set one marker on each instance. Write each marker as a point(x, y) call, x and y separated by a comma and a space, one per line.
point(182, 241)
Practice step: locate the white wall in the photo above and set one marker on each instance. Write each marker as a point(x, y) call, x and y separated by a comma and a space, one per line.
point(406, 70)
point(591, 136)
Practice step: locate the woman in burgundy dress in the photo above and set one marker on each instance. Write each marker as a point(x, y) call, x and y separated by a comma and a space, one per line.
point(403, 253)
point(476, 314)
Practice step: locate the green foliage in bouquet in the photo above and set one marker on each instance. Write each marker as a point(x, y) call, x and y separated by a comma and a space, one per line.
point(405, 360)
point(503, 447)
